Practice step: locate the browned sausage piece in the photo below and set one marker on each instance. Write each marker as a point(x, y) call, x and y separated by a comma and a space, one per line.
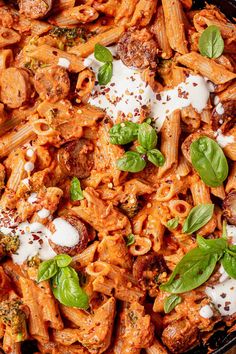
point(74, 221)
point(76, 158)
point(180, 335)
point(137, 48)
point(147, 269)
point(228, 116)
point(35, 8)
point(52, 83)
point(8, 36)
point(229, 207)
point(15, 87)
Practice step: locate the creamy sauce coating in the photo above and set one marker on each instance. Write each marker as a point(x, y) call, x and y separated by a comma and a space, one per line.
point(223, 140)
point(127, 94)
point(65, 234)
point(65, 63)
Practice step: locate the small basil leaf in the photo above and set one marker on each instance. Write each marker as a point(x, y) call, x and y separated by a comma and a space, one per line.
point(63, 260)
point(102, 54)
point(141, 149)
point(198, 217)
point(229, 264)
point(170, 302)
point(47, 270)
point(131, 162)
point(224, 230)
point(209, 161)
point(105, 73)
point(123, 133)
point(156, 157)
point(130, 240)
point(66, 289)
point(75, 190)
point(172, 223)
point(217, 245)
point(194, 269)
point(211, 43)
point(148, 120)
point(147, 136)
point(232, 250)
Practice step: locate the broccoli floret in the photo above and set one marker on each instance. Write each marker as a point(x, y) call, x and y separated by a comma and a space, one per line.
point(9, 244)
point(12, 315)
point(68, 33)
point(34, 262)
point(130, 206)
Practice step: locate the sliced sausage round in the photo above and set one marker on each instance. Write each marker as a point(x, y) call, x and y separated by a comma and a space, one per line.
point(228, 115)
point(229, 207)
point(83, 239)
point(35, 8)
point(52, 83)
point(137, 48)
point(76, 158)
point(15, 87)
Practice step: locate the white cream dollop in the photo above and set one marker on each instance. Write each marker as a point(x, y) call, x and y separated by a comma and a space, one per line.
point(65, 234)
point(223, 140)
point(65, 63)
point(33, 198)
point(206, 311)
point(126, 94)
point(43, 213)
point(29, 166)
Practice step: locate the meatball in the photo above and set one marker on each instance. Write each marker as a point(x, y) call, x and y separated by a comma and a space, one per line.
point(76, 158)
point(180, 336)
point(137, 48)
point(83, 239)
point(229, 207)
point(52, 83)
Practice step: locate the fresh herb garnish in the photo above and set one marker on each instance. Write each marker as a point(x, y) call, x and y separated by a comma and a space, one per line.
point(170, 302)
point(196, 267)
point(104, 55)
point(209, 161)
point(64, 281)
point(76, 192)
point(130, 240)
point(135, 161)
point(198, 217)
point(211, 43)
point(172, 223)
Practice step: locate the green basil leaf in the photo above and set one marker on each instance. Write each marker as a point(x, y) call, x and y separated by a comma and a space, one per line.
point(123, 133)
point(172, 223)
point(194, 269)
point(47, 270)
point(130, 240)
point(217, 245)
point(75, 190)
point(147, 136)
point(229, 264)
point(105, 73)
point(209, 161)
point(198, 217)
point(141, 150)
point(66, 289)
point(211, 43)
point(131, 162)
point(148, 120)
point(232, 250)
point(63, 260)
point(170, 302)
point(156, 157)
point(102, 54)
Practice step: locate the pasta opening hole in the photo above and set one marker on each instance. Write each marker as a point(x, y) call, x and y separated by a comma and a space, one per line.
point(5, 35)
point(180, 208)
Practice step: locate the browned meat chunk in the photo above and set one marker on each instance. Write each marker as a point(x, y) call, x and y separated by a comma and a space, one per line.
point(8, 36)
point(137, 48)
point(229, 207)
point(76, 158)
point(35, 8)
point(15, 87)
point(180, 336)
point(228, 115)
point(83, 237)
point(52, 83)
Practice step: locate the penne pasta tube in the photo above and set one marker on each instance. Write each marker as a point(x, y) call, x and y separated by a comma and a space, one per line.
point(105, 38)
point(206, 67)
point(6, 58)
point(174, 21)
point(231, 182)
point(156, 348)
point(50, 55)
point(85, 84)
